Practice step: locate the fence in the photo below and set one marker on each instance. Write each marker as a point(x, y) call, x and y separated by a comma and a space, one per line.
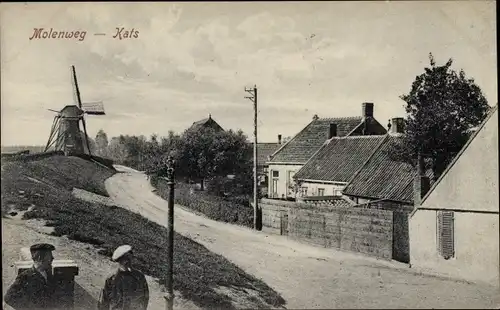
point(373, 231)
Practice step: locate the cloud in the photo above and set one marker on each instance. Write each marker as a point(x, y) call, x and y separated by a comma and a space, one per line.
point(191, 60)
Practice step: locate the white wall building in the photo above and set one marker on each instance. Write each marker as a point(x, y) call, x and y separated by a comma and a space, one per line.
point(455, 230)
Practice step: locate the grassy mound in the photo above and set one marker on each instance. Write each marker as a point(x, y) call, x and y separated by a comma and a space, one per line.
point(198, 272)
point(213, 207)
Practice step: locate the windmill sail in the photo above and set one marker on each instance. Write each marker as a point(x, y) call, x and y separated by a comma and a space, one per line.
point(76, 91)
point(93, 108)
point(79, 101)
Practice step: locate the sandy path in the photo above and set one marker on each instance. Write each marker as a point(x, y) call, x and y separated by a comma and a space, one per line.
point(306, 276)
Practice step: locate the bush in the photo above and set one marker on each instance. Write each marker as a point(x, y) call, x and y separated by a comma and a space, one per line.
point(234, 210)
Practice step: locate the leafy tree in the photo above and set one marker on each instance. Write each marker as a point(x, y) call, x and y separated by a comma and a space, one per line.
point(135, 147)
point(116, 150)
point(156, 153)
point(207, 154)
point(295, 187)
point(442, 106)
point(101, 140)
point(286, 139)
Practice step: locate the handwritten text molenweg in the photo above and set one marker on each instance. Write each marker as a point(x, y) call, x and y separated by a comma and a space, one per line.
point(42, 33)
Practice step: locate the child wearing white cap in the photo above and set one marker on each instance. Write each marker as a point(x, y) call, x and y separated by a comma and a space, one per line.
point(127, 288)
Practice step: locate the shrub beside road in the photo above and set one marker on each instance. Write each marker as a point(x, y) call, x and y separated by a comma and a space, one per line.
point(228, 210)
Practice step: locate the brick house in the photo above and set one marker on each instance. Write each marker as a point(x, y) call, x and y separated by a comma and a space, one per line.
point(455, 229)
point(382, 177)
point(264, 152)
point(327, 172)
point(292, 156)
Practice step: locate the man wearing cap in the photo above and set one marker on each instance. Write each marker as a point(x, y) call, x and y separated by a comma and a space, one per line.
point(34, 288)
point(127, 288)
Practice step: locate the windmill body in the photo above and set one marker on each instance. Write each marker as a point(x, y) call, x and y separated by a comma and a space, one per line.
point(66, 134)
point(69, 137)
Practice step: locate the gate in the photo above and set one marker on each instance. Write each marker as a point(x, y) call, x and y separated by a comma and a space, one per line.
point(284, 224)
point(400, 237)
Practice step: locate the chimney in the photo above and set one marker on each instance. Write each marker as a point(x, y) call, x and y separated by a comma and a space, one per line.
point(397, 125)
point(332, 132)
point(315, 117)
point(367, 109)
point(421, 183)
point(279, 139)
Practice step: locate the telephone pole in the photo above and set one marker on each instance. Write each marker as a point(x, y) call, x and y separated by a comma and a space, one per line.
point(169, 297)
point(256, 213)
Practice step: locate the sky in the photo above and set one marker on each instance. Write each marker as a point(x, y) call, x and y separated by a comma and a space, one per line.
point(191, 59)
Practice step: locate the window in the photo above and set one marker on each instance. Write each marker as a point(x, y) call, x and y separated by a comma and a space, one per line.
point(303, 191)
point(321, 192)
point(445, 234)
point(276, 174)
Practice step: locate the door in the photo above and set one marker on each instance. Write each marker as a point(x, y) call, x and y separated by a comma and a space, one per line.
point(284, 224)
point(400, 237)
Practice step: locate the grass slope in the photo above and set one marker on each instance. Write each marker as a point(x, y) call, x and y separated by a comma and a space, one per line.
point(198, 272)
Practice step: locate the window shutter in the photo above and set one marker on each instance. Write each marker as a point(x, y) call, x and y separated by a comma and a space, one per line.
point(446, 238)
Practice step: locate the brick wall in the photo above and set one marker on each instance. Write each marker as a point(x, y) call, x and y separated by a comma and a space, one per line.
point(368, 231)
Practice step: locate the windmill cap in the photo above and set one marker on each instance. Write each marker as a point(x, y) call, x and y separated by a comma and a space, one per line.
point(121, 251)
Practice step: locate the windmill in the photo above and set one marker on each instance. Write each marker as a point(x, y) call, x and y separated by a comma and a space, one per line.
point(65, 134)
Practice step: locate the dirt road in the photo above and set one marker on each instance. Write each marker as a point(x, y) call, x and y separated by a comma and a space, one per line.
point(306, 276)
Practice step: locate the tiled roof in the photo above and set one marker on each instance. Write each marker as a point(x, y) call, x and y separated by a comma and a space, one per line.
point(311, 138)
point(204, 122)
point(382, 177)
point(200, 122)
point(264, 150)
point(339, 158)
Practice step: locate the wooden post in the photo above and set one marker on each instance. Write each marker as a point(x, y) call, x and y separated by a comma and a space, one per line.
point(170, 235)
point(257, 219)
point(256, 215)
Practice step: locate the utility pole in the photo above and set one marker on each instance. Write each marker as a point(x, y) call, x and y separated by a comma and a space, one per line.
point(256, 213)
point(169, 297)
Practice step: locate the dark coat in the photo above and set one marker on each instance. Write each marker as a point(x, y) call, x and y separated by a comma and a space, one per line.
point(30, 290)
point(125, 290)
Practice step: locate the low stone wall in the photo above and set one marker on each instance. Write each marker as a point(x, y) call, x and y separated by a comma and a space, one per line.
point(368, 231)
